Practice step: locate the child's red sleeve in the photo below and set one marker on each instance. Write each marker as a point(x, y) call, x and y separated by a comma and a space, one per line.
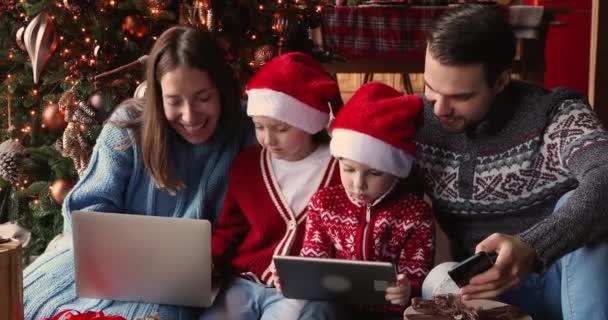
point(416, 259)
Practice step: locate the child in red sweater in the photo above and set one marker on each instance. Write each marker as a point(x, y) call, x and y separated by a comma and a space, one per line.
point(374, 214)
point(270, 185)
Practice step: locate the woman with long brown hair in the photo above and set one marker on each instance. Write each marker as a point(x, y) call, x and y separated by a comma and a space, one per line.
point(168, 154)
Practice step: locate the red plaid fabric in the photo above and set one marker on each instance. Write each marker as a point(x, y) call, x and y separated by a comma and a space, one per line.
point(386, 32)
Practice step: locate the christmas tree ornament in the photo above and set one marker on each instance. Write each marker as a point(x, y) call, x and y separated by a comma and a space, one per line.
point(140, 91)
point(84, 114)
point(53, 117)
point(67, 100)
point(40, 42)
point(135, 26)
point(263, 54)
point(74, 145)
point(157, 4)
point(59, 189)
point(11, 156)
point(198, 16)
point(211, 23)
point(19, 38)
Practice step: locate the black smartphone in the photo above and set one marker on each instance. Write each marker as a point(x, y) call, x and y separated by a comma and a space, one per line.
point(472, 266)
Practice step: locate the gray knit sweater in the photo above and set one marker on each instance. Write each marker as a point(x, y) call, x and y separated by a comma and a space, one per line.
point(507, 173)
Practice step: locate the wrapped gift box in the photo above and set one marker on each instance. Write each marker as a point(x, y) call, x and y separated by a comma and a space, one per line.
point(11, 280)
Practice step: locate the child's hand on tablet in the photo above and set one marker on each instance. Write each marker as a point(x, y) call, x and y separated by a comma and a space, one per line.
point(400, 293)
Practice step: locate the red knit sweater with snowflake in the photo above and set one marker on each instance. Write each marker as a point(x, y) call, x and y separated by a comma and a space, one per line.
point(256, 221)
point(398, 229)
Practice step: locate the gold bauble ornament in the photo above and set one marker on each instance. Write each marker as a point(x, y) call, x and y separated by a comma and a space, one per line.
point(59, 189)
point(53, 117)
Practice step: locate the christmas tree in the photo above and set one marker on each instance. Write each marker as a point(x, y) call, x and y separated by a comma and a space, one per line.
point(65, 64)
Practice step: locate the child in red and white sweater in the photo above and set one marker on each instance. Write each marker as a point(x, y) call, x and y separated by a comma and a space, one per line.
point(374, 214)
point(270, 185)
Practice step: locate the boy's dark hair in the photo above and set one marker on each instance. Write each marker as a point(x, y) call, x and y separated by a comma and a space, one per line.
point(471, 34)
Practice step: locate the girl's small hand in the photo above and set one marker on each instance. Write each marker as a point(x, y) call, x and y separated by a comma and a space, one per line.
point(400, 293)
point(277, 282)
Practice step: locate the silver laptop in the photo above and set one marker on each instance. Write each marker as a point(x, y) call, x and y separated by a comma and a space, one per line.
point(345, 281)
point(142, 258)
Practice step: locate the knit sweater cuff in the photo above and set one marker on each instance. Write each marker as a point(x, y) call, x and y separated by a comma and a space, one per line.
point(541, 242)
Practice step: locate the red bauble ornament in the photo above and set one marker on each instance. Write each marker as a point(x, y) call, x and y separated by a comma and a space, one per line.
point(135, 26)
point(53, 117)
point(60, 188)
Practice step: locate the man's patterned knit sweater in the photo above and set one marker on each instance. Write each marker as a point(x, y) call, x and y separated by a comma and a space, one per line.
point(507, 173)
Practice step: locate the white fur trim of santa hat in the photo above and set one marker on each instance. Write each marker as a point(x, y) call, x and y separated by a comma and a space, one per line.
point(370, 151)
point(283, 107)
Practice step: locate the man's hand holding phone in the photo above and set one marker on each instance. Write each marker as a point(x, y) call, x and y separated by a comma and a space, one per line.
point(463, 272)
point(514, 262)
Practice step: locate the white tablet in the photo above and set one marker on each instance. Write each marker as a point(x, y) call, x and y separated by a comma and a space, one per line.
point(344, 281)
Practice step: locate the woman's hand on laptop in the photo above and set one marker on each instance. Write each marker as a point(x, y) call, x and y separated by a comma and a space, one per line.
point(277, 282)
point(400, 293)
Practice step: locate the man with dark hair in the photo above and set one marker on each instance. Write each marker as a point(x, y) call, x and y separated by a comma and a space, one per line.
point(514, 169)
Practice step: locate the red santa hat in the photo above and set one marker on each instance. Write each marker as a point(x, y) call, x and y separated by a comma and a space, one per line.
point(293, 88)
point(376, 127)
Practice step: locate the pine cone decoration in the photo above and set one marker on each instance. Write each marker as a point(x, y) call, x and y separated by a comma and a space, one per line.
point(84, 114)
point(76, 147)
point(73, 144)
point(66, 101)
point(11, 155)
